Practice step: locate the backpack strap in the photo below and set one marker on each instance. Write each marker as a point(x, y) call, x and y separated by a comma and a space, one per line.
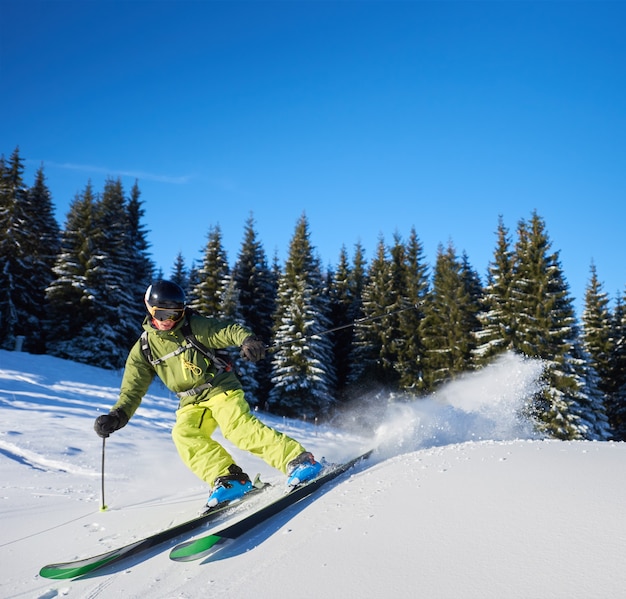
point(221, 362)
point(147, 352)
point(145, 347)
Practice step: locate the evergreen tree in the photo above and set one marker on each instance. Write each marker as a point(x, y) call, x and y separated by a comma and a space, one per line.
point(358, 280)
point(46, 236)
point(256, 284)
point(498, 319)
point(302, 367)
point(616, 399)
point(368, 370)
point(547, 329)
point(29, 241)
point(207, 296)
point(401, 351)
point(449, 324)
point(29, 238)
point(342, 306)
point(588, 407)
point(193, 282)
point(246, 370)
point(111, 279)
point(597, 338)
point(597, 331)
point(475, 308)
point(97, 274)
point(13, 269)
point(397, 302)
point(410, 363)
point(142, 267)
point(180, 275)
point(70, 301)
point(539, 294)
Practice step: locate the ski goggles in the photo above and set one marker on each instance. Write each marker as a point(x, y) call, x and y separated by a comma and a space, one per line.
point(163, 314)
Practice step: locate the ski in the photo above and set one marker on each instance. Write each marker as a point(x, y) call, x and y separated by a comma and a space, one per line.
point(75, 568)
point(210, 544)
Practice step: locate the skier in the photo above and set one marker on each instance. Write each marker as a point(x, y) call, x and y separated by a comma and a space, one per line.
point(210, 395)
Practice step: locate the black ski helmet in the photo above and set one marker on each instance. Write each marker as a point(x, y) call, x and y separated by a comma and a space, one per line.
point(165, 300)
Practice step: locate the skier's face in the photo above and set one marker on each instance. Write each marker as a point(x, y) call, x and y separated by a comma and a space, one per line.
point(163, 325)
point(164, 319)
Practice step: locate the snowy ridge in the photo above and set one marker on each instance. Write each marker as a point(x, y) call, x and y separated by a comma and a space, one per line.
point(460, 500)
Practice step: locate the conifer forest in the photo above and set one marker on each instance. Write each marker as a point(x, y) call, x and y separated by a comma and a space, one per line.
point(392, 328)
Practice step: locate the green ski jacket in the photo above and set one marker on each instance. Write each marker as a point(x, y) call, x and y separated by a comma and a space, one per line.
point(184, 371)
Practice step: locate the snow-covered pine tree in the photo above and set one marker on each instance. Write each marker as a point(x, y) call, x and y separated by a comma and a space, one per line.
point(96, 302)
point(388, 351)
point(302, 364)
point(142, 267)
point(246, 370)
point(448, 327)
point(394, 340)
point(473, 285)
point(180, 274)
point(14, 267)
point(616, 400)
point(46, 236)
point(29, 238)
point(29, 242)
point(402, 348)
point(207, 295)
point(256, 284)
point(410, 361)
point(589, 407)
point(597, 331)
point(111, 283)
point(497, 319)
point(342, 307)
point(367, 374)
point(357, 282)
point(547, 329)
point(70, 302)
point(193, 282)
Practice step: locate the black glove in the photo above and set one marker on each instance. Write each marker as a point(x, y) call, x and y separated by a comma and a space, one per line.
point(109, 423)
point(252, 349)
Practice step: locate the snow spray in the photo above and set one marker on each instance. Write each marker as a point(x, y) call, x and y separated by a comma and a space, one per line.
point(483, 405)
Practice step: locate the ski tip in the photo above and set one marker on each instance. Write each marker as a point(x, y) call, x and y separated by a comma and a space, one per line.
point(48, 572)
point(60, 573)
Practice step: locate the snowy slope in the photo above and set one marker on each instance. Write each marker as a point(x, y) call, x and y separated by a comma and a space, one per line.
point(459, 500)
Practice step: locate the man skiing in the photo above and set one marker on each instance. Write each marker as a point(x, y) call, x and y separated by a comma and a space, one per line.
point(178, 345)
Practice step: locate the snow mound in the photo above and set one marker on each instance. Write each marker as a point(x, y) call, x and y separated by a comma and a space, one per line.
point(460, 500)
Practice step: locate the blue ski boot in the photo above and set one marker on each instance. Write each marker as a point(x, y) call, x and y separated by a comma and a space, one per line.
point(230, 487)
point(302, 469)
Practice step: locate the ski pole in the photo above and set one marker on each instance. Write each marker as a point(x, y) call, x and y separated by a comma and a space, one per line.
point(355, 322)
point(103, 507)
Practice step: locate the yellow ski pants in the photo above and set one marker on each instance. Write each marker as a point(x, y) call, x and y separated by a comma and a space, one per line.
point(206, 458)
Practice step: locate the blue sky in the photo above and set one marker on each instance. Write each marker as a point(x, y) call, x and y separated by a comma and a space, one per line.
point(370, 117)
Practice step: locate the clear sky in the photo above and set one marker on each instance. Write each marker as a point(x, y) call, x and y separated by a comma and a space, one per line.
point(370, 117)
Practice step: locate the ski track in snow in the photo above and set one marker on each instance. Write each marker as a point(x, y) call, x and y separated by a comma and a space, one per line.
point(39, 462)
